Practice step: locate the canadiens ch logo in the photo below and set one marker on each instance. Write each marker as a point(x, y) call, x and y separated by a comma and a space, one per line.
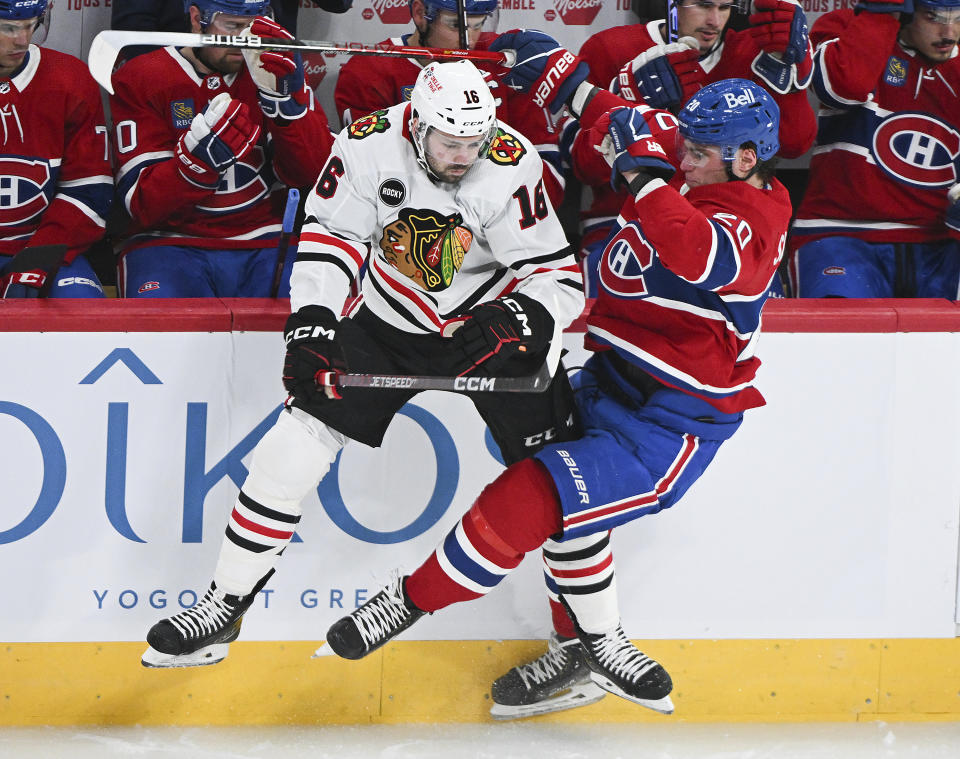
point(370, 124)
point(426, 246)
point(896, 72)
point(623, 263)
point(917, 149)
point(506, 150)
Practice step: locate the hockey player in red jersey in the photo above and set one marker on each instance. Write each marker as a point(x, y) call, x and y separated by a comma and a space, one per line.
point(641, 62)
point(54, 165)
point(207, 144)
point(880, 217)
point(682, 286)
point(367, 83)
point(444, 205)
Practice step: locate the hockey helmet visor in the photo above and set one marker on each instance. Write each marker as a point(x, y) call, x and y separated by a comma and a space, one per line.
point(210, 9)
point(13, 14)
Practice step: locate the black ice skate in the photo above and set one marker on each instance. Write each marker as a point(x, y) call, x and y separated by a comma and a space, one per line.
point(560, 679)
point(622, 669)
point(379, 620)
point(200, 635)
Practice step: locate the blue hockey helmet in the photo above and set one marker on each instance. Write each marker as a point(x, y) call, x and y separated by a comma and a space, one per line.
point(470, 7)
point(18, 9)
point(730, 113)
point(939, 4)
point(209, 8)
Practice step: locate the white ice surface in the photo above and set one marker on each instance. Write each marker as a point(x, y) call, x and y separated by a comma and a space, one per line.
point(875, 740)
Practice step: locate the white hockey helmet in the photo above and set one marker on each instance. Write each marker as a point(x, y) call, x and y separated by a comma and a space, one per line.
point(452, 98)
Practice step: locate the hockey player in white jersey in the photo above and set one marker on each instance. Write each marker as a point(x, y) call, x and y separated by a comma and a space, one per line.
point(467, 272)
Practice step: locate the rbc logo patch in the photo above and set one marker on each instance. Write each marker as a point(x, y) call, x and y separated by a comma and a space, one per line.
point(182, 112)
point(896, 72)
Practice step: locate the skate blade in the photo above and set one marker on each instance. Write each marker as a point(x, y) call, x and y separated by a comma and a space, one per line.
point(199, 658)
point(663, 705)
point(580, 694)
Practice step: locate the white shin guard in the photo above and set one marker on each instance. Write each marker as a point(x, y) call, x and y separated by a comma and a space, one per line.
point(583, 571)
point(289, 461)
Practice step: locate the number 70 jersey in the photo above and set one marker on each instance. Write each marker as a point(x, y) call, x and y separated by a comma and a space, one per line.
point(432, 250)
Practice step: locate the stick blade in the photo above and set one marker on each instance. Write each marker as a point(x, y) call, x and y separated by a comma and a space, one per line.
point(101, 59)
point(106, 47)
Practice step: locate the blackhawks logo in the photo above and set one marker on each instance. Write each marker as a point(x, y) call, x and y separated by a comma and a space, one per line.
point(426, 247)
point(506, 150)
point(370, 124)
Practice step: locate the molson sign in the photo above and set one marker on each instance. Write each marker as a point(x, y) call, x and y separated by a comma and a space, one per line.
point(315, 68)
point(393, 11)
point(575, 12)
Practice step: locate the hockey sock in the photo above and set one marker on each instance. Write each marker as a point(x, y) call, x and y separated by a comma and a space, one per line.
point(582, 571)
point(513, 515)
point(288, 461)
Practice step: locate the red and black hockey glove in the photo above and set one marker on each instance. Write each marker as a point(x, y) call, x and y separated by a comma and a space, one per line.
point(218, 137)
point(499, 330)
point(30, 273)
point(279, 75)
point(545, 69)
point(314, 356)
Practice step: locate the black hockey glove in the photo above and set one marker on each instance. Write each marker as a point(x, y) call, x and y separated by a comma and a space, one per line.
point(501, 329)
point(313, 354)
point(30, 273)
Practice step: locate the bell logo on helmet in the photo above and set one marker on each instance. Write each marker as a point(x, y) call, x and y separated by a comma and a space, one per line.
point(734, 100)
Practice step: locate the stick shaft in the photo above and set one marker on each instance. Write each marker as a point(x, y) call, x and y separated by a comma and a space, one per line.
point(107, 45)
point(474, 384)
point(289, 217)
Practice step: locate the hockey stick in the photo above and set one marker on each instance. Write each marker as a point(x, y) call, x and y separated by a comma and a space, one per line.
point(289, 216)
point(107, 45)
point(462, 23)
point(535, 383)
point(673, 21)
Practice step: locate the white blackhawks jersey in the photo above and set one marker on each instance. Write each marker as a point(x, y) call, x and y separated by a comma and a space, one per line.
point(433, 251)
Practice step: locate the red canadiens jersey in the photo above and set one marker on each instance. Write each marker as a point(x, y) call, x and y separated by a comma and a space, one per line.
point(889, 135)
point(607, 51)
point(157, 96)
point(683, 282)
point(370, 83)
point(55, 181)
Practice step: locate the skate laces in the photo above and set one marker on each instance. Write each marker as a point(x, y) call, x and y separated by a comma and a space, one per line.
point(617, 654)
point(383, 614)
point(546, 667)
point(208, 615)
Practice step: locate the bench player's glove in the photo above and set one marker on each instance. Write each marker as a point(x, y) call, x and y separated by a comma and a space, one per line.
point(780, 30)
point(30, 273)
point(630, 146)
point(218, 137)
point(314, 356)
point(499, 330)
point(665, 76)
point(279, 75)
point(545, 69)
